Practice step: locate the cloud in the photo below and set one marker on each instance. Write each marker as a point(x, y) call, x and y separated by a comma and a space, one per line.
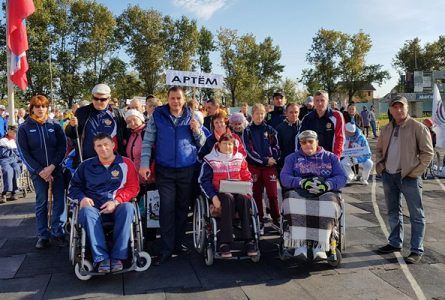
point(203, 9)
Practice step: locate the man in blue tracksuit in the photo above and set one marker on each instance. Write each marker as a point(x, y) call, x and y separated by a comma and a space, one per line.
point(104, 185)
point(178, 137)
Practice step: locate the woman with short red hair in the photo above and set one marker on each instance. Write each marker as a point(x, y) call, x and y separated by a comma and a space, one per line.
point(42, 144)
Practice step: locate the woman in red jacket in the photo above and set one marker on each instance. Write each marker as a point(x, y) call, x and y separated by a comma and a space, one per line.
point(226, 163)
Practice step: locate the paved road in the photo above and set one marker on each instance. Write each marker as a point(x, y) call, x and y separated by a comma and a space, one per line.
point(27, 273)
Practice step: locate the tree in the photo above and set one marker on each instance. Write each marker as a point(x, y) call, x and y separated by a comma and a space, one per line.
point(206, 45)
point(324, 56)
point(339, 62)
point(141, 32)
point(413, 56)
point(181, 38)
point(291, 90)
point(354, 72)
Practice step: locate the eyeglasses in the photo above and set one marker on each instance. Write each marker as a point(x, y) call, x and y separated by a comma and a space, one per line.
point(100, 99)
point(304, 142)
point(40, 106)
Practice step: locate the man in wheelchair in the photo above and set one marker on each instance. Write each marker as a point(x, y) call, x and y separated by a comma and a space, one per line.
point(311, 205)
point(226, 163)
point(10, 164)
point(104, 185)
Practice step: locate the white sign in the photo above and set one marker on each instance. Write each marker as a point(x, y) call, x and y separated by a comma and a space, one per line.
point(354, 152)
point(438, 118)
point(196, 79)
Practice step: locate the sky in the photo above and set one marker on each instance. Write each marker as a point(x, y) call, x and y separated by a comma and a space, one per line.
point(293, 24)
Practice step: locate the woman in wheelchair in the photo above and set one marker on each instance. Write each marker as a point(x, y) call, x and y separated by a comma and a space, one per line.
point(224, 162)
point(311, 206)
point(104, 185)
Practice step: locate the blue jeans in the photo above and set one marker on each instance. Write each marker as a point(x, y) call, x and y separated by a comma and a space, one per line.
point(411, 188)
point(11, 172)
point(91, 220)
point(374, 127)
point(41, 189)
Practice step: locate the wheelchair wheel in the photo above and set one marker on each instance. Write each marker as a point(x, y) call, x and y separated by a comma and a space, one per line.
point(256, 258)
point(198, 225)
point(87, 266)
point(209, 256)
point(143, 261)
point(337, 262)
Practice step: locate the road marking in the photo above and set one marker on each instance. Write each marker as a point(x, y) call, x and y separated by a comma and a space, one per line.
point(414, 285)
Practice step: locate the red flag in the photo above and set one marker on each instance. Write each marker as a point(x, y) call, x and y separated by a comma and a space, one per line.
point(17, 40)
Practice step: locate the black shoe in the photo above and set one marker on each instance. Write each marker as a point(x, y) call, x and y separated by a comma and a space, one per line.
point(42, 243)
point(13, 197)
point(182, 249)
point(388, 249)
point(60, 241)
point(251, 249)
point(413, 258)
point(162, 259)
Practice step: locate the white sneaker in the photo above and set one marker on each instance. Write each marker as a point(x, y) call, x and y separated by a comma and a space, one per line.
point(318, 253)
point(261, 228)
point(364, 182)
point(301, 251)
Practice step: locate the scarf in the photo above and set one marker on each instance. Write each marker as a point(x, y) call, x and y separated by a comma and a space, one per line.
point(39, 120)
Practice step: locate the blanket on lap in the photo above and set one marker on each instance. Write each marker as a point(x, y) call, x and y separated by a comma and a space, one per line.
point(310, 219)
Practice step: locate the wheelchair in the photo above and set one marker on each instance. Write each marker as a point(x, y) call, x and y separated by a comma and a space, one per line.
point(205, 232)
point(24, 182)
point(79, 253)
point(337, 240)
point(435, 167)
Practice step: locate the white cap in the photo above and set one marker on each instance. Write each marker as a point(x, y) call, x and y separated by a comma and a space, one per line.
point(350, 127)
point(101, 88)
point(135, 113)
point(2, 107)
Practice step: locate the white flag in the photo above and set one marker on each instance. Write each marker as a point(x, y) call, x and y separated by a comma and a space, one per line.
point(438, 118)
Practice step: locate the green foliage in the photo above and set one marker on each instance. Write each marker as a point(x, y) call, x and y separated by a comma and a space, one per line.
point(413, 56)
point(250, 67)
point(339, 63)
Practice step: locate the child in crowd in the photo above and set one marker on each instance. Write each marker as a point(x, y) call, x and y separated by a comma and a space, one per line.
point(263, 152)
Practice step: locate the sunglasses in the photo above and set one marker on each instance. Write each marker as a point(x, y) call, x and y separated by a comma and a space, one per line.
point(100, 99)
point(304, 142)
point(40, 106)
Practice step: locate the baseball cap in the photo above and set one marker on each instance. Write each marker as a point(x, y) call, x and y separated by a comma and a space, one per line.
point(309, 100)
point(101, 88)
point(2, 107)
point(308, 135)
point(278, 93)
point(399, 99)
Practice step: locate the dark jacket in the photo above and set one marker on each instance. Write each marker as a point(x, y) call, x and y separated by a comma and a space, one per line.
point(303, 112)
point(260, 142)
point(41, 145)
point(287, 133)
point(83, 114)
point(276, 117)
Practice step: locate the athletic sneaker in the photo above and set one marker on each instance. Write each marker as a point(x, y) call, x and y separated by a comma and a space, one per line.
point(224, 251)
point(301, 251)
point(364, 182)
point(104, 266)
point(251, 249)
point(261, 228)
point(319, 253)
point(116, 265)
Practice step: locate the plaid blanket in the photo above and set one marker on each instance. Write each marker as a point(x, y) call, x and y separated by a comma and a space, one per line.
point(310, 219)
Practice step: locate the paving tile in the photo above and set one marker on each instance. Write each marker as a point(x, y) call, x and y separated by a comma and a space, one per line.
point(9, 265)
point(24, 288)
point(235, 293)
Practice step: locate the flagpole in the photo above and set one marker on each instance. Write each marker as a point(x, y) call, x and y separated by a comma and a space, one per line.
point(11, 108)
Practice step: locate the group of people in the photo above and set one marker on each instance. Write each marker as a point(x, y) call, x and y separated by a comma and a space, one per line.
point(117, 153)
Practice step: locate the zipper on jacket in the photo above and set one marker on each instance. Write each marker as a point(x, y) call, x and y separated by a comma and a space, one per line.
point(44, 144)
